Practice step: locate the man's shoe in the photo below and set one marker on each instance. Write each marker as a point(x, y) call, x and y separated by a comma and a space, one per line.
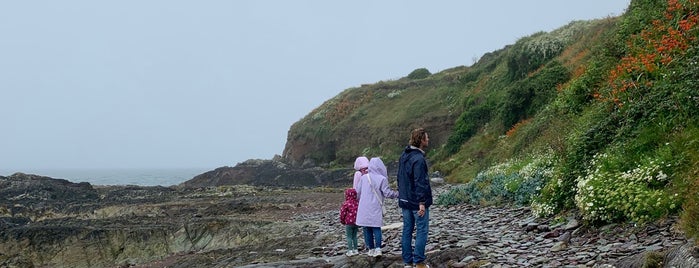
point(350, 253)
point(422, 265)
point(377, 252)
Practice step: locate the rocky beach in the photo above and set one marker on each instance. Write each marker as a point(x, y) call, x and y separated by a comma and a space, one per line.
point(472, 236)
point(46, 222)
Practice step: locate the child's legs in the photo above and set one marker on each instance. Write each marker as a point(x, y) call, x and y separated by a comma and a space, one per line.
point(351, 232)
point(348, 236)
point(377, 236)
point(368, 238)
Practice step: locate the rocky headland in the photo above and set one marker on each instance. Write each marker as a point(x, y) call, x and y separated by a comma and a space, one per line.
point(46, 222)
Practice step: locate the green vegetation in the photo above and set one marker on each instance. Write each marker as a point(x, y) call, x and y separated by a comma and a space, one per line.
point(516, 181)
point(419, 73)
point(598, 117)
point(626, 150)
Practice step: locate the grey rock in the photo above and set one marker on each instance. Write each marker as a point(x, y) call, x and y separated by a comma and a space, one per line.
point(438, 180)
point(572, 224)
point(559, 246)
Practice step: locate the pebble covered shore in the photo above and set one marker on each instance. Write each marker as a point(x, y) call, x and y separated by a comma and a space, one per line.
point(512, 237)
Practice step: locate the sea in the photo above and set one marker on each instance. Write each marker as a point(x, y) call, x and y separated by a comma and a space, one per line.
point(125, 176)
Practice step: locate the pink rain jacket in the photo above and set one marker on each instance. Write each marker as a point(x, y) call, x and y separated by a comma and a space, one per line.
point(348, 211)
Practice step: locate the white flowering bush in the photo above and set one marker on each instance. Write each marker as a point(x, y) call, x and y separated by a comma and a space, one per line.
point(544, 204)
point(515, 181)
point(554, 42)
point(394, 94)
point(608, 194)
point(534, 176)
point(542, 209)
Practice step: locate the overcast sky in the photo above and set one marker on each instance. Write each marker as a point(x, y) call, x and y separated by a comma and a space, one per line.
point(205, 84)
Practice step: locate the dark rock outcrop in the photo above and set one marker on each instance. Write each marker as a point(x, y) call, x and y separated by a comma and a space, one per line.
point(33, 196)
point(271, 173)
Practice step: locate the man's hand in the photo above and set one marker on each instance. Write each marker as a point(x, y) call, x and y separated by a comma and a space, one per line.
point(421, 212)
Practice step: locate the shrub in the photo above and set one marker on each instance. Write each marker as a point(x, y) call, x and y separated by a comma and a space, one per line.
point(531, 52)
point(524, 99)
point(551, 197)
point(468, 124)
point(595, 130)
point(516, 182)
point(688, 180)
point(690, 216)
point(610, 192)
point(419, 73)
point(534, 176)
point(647, 93)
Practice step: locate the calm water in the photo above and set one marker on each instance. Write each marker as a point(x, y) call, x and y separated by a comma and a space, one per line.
point(143, 177)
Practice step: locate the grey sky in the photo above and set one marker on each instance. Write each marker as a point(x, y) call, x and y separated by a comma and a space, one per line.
point(159, 84)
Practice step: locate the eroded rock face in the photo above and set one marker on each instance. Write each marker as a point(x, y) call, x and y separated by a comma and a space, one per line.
point(305, 148)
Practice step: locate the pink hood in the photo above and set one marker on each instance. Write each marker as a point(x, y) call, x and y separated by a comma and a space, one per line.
point(361, 162)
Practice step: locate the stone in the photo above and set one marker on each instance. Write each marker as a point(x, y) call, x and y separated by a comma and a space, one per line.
point(558, 246)
point(572, 224)
point(467, 243)
point(437, 180)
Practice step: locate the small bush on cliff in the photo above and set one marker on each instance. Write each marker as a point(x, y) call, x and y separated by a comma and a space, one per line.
point(525, 98)
point(419, 73)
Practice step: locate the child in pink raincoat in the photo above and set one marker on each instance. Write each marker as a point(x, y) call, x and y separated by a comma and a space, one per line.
point(348, 217)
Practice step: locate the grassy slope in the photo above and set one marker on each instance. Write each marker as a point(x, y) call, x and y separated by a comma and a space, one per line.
point(620, 136)
point(552, 96)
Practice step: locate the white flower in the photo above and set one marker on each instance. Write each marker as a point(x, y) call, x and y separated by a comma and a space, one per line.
point(662, 176)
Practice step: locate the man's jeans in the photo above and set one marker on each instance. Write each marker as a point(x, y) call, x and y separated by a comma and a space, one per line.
point(410, 220)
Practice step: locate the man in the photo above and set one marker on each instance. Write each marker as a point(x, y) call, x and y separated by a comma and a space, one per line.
point(415, 198)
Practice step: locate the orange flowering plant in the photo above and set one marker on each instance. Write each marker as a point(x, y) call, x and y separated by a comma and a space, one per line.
point(651, 52)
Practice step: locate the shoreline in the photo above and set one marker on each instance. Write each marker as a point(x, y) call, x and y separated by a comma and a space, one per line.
point(165, 177)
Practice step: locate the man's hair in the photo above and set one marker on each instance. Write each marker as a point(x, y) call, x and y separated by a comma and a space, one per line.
point(417, 136)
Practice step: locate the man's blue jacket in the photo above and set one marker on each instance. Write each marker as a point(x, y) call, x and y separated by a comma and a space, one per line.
point(413, 183)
